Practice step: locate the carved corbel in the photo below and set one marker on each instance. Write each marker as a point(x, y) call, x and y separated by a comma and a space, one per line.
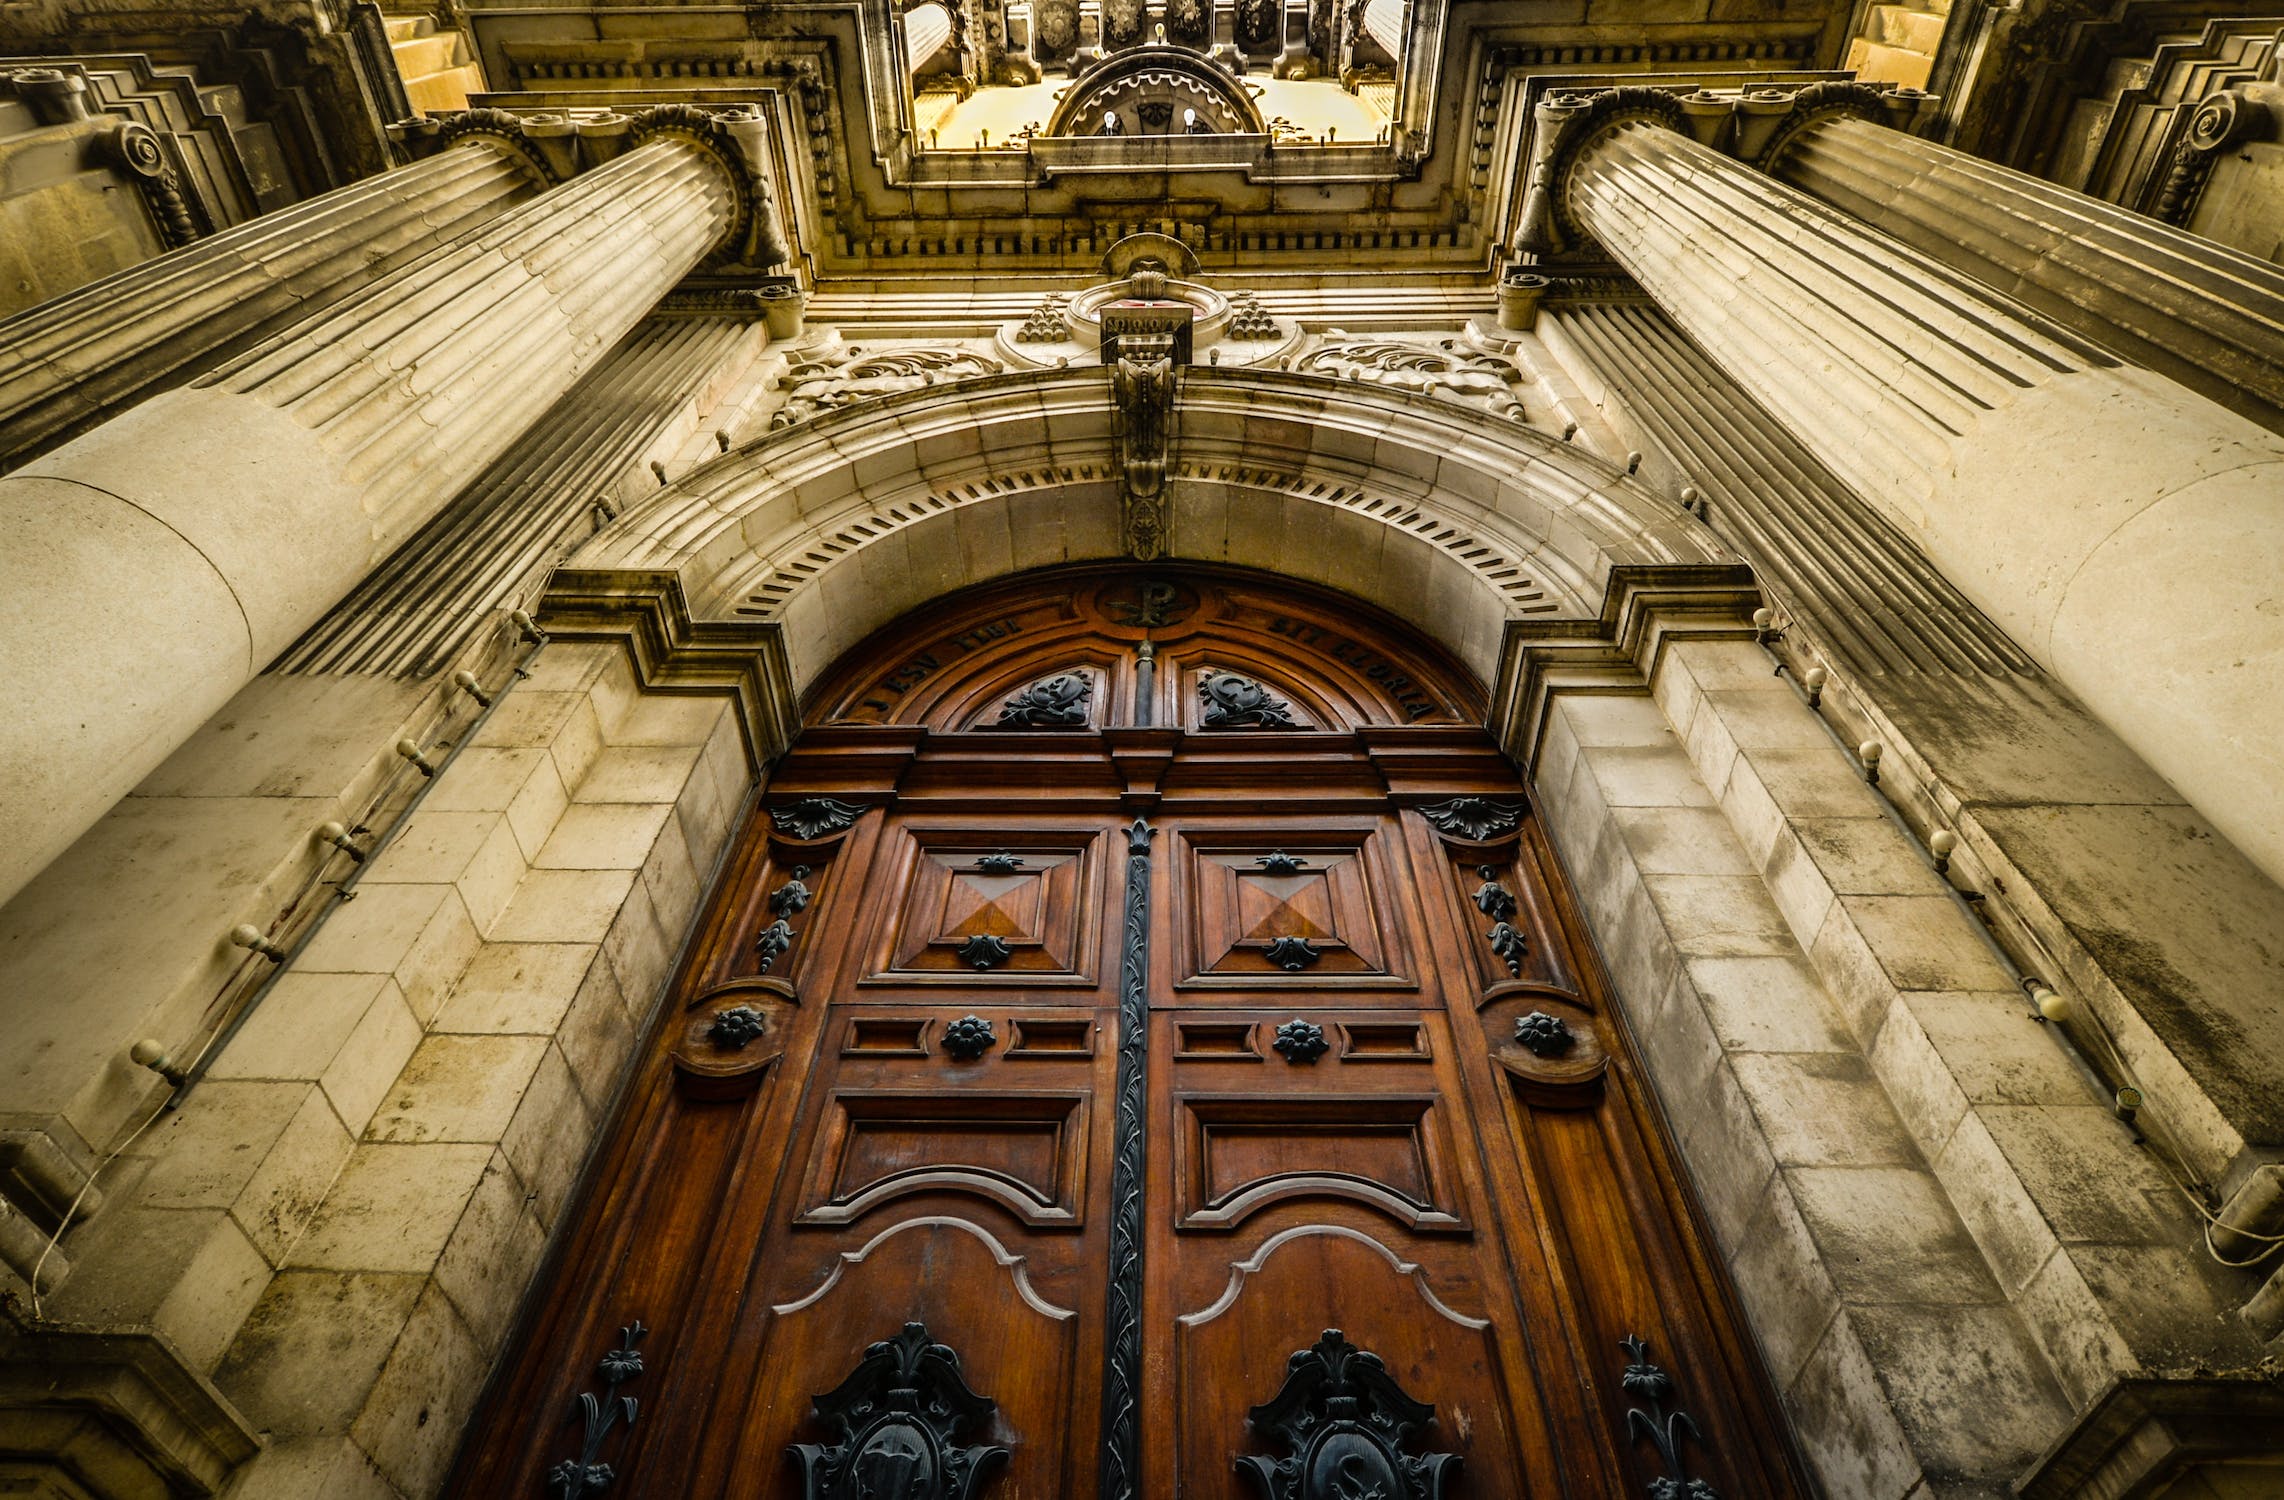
point(1143, 383)
point(2223, 119)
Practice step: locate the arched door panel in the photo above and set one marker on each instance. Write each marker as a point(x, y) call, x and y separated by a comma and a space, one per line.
point(1143, 1047)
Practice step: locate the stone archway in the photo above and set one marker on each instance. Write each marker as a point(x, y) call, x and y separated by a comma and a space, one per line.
point(798, 545)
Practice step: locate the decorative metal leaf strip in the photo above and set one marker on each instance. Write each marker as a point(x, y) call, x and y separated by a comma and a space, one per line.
point(1301, 1041)
point(1345, 1425)
point(1121, 1471)
point(814, 817)
point(1651, 1385)
point(1234, 702)
point(1291, 954)
point(1512, 946)
point(576, 1478)
point(736, 1027)
point(1475, 819)
point(1057, 702)
point(1281, 863)
point(985, 951)
point(901, 1416)
point(792, 897)
point(1543, 1035)
point(772, 941)
point(1493, 899)
point(969, 1038)
point(1002, 863)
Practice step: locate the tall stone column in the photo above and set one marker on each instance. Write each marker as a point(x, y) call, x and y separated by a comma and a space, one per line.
point(2204, 314)
point(2127, 532)
point(155, 564)
point(70, 363)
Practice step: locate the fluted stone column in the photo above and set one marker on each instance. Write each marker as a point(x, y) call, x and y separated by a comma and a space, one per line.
point(70, 363)
point(154, 565)
point(2127, 532)
point(2206, 315)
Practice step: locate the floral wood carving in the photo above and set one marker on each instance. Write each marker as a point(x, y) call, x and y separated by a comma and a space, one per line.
point(1475, 819)
point(985, 951)
point(1234, 702)
point(969, 1038)
point(1664, 1429)
point(1281, 863)
point(577, 1478)
point(1001, 863)
point(1508, 941)
point(1345, 1424)
point(814, 817)
point(1057, 702)
point(735, 1028)
point(772, 942)
point(1292, 954)
point(901, 1414)
point(1542, 1035)
point(1493, 899)
point(791, 898)
point(1301, 1041)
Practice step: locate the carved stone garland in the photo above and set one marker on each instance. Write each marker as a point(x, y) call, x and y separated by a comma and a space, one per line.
point(845, 377)
point(902, 1414)
point(1344, 1424)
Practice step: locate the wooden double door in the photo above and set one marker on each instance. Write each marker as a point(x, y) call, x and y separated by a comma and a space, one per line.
point(1141, 1048)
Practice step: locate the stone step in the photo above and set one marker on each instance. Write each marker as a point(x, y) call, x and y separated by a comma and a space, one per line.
point(417, 57)
point(1902, 26)
point(1875, 62)
point(404, 28)
point(445, 89)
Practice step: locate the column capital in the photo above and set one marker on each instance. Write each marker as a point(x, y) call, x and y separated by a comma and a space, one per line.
point(559, 145)
point(1754, 125)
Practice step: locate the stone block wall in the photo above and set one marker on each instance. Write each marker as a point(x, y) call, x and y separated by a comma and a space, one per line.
point(338, 1225)
point(1947, 1246)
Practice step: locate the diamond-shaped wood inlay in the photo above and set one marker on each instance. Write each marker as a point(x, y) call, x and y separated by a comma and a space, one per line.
point(1033, 899)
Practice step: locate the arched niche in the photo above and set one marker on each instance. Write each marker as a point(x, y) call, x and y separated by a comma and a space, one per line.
point(802, 543)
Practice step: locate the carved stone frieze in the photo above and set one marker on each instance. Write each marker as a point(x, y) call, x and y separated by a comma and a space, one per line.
point(1446, 368)
point(853, 374)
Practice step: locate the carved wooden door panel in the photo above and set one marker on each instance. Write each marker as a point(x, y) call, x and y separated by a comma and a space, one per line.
point(1142, 1049)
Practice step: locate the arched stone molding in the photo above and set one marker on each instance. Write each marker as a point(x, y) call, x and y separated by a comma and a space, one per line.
point(800, 544)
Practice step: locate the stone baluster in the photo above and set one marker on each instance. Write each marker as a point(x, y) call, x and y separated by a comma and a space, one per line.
point(2126, 531)
point(155, 564)
point(2204, 314)
point(70, 363)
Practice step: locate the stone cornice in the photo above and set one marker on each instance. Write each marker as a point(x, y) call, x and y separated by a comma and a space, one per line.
point(648, 612)
point(1645, 607)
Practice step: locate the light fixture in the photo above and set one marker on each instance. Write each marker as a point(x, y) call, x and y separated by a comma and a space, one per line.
point(246, 935)
point(1940, 843)
point(1869, 752)
point(1634, 462)
point(152, 1054)
point(1813, 679)
point(2050, 1006)
point(465, 681)
point(526, 626)
point(338, 837)
point(411, 752)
